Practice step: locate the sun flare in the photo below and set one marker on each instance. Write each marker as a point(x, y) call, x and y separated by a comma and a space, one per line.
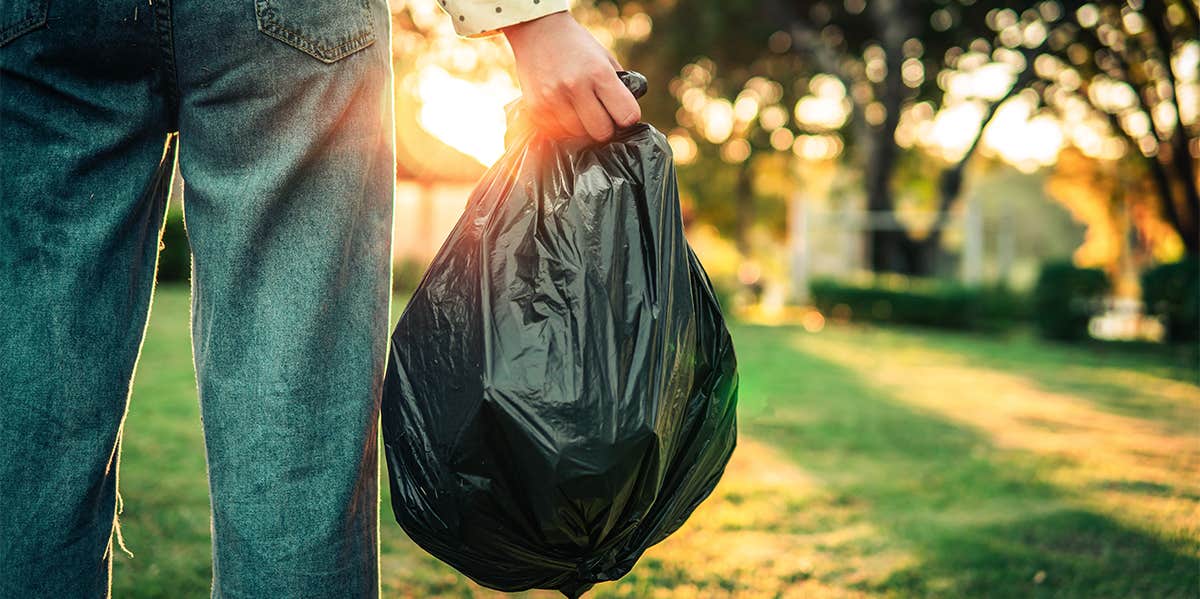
point(465, 115)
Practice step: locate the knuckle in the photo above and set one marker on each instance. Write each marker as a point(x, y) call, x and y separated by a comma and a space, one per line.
point(600, 129)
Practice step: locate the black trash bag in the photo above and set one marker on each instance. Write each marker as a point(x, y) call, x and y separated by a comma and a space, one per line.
point(561, 388)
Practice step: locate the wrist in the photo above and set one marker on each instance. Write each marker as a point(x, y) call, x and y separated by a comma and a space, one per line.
point(520, 33)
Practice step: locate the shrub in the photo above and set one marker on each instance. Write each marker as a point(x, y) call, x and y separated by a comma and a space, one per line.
point(933, 303)
point(1172, 291)
point(1000, 307)
point(175, 255)
point(406, 275)
point(1065, 298)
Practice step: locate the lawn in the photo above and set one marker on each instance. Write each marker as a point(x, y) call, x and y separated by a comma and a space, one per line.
point(872, 462)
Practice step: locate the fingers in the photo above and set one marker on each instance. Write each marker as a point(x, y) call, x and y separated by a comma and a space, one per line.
point(569, 80)
point(546, 123)
point(591, 113)
point(544, 105)
point(594, 117)
point(564, 110)
point(612, 60)
point(622, 108)
point(591, 105)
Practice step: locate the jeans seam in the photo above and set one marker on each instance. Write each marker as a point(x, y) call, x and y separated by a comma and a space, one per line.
point(298, 38)
point(166, 45)
point(33, 21)
point(274, 28)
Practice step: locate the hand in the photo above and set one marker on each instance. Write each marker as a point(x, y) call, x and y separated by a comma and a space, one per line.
point(568, 80)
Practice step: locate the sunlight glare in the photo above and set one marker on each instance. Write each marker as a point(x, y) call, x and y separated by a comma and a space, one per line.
point(954, 129)
point(466, 115)
point(1027, 141)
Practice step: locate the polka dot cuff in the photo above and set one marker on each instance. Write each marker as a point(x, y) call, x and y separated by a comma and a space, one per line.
point(479, 18)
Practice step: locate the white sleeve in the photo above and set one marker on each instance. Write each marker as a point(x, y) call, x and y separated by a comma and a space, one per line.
point(479, 18)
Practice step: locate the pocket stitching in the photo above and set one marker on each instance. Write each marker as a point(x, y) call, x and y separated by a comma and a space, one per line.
point(274, 28)
point(37, 18)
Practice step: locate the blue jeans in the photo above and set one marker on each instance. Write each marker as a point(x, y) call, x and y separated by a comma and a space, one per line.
point(280, 114)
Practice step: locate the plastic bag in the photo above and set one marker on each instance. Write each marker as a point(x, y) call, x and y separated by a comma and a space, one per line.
point(561, 389)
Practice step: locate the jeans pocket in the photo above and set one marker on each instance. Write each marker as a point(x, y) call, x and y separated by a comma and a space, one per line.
point(20, 16)
point(328, 30)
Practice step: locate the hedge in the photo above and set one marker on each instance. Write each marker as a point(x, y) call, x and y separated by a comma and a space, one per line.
point(175, 255)
point(1172, 291)
point(1065, 298)
point(922, 302)
point(406, 275)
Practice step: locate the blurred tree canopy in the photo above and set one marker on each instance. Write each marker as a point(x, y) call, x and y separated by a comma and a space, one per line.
point(879, 84)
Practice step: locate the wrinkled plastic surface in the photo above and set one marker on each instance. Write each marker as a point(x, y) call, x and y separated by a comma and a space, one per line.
point(561, 389)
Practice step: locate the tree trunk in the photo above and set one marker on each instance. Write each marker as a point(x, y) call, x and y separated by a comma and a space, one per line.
point(745, 207)
point(1189, 214)
point(1186, 217)
point(1186, 229)
point(890, 245)
point(1158, 174)
point(951, 180)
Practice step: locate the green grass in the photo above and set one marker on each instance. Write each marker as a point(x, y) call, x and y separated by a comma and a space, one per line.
point(873, 462)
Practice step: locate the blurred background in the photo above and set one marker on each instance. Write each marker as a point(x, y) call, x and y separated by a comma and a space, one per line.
point(957, 243)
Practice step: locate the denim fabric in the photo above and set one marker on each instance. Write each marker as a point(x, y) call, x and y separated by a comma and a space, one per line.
point(280, 114)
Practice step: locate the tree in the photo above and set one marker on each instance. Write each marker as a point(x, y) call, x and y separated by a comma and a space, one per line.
point(715, 75)
point(891, 56)
point(879, 51)
point(1125, 57)
point(895, 43)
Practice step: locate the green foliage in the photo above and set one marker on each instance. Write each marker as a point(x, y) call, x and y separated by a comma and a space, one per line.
point(1173, 292)
point(1065, 298)
point(175, 255)
point(727, 290)
point(1001, 307)
point(406, 275)
point(927, 302)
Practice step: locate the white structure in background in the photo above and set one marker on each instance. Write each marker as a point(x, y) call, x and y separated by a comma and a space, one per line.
point(834, 242)
point(1125, 319)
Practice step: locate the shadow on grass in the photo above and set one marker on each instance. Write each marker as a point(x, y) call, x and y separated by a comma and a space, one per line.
point(972, 519)
point(1143, 380)
point(1101, 371)
point(1071, 553)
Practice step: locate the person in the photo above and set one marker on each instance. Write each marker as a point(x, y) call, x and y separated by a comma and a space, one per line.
point(280, 115)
